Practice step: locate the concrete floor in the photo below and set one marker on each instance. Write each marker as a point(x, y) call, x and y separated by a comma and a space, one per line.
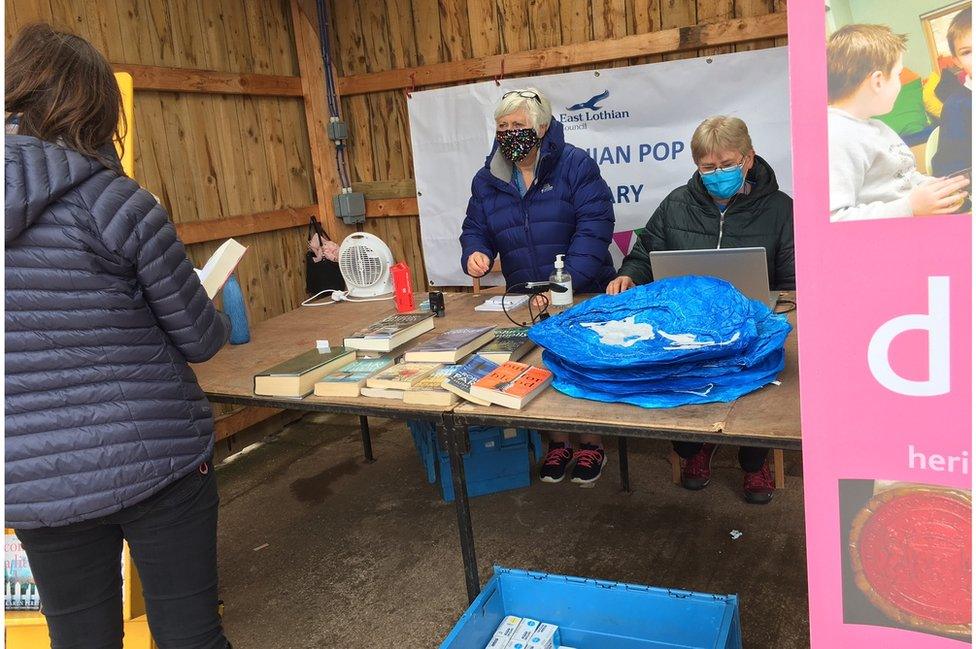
point(318, 549)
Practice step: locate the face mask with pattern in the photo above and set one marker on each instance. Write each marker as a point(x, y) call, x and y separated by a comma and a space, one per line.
point(517, 143)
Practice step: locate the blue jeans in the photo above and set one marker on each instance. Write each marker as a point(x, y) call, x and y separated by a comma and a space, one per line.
point(172, 537)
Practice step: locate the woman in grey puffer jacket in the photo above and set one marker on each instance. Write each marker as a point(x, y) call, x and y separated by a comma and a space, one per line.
point(108, 434)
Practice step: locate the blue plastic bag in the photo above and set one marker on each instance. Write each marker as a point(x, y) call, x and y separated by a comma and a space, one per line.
point(673, 342)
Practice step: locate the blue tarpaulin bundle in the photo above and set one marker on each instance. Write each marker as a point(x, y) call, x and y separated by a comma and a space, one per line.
point(672, 342)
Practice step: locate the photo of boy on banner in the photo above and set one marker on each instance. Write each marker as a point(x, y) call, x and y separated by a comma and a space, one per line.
point(888, 155)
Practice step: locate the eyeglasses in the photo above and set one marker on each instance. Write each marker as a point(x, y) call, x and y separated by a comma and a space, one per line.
point(718, 169)
point(525, 94)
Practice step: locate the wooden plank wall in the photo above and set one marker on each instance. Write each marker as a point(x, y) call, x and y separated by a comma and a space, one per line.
point(391, 34)
point(210, 156)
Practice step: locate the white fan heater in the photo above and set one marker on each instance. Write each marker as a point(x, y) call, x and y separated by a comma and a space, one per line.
point(364, 261)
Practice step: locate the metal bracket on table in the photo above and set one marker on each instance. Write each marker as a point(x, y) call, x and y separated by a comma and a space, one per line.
point(367, 439)
point(455, 436)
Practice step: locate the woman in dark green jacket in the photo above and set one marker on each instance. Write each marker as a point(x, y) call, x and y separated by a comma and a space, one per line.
point(731, 201)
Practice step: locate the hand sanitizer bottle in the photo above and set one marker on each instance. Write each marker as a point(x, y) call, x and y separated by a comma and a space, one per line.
point(559, 276)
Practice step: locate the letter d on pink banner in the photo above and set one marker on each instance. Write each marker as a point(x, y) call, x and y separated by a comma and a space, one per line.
point(936, 323)
point(884, 293)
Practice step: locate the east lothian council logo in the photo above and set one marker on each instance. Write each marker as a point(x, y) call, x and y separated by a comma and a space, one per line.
point(578, 115)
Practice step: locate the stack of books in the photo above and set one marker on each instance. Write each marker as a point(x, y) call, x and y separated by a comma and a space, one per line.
point(478, 364)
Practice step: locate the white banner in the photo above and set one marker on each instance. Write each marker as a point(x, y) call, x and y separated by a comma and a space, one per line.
point(636, 122)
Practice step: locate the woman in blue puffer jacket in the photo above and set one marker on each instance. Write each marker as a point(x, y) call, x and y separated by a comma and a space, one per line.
point(108, 436)
point(537, 197)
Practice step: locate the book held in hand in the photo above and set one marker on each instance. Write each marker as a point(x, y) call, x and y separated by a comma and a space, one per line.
point(460, 382)
point(510, 344)
point(450, 346)
point(296, 378)
point(402, 376)
point(429, 391)
point(219, 267)
point(391, 332)
point(347, 381)
point(512, 384)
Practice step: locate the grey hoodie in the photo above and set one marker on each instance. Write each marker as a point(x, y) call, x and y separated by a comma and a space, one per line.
point(103, 311)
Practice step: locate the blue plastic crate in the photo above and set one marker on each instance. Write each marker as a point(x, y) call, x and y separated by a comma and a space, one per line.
point(496, 462)
point(593, 614)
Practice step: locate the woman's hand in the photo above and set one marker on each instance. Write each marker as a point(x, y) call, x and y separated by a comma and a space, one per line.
point(478, 264)
point(620, 285)
point(539, 301)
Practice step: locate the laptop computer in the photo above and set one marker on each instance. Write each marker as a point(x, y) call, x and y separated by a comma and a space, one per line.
point(744, 268)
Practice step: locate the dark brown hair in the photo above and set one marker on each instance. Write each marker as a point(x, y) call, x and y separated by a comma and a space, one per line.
point(960, 26)
point(63, 90)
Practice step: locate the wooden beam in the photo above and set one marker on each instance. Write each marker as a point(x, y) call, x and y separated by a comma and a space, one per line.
point(237, 226)
point(665, 41)
point(386, 207)
point(387, 189)
point(235, 422)
point(151, 77)
point(304, 19)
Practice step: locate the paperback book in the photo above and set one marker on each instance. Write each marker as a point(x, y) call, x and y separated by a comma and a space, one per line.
point(509, 344)
point(460, 382)
point(391, 332)
point(348, 380)
point(297, 377)
point(429, 391)
point(512, 384)
point(450, 346)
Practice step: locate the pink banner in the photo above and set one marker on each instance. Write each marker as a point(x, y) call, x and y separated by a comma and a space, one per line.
point(885, 307)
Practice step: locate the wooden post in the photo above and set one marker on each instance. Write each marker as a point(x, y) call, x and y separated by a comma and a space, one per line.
point(304, 17)
point(779, 470)
point(675, 467)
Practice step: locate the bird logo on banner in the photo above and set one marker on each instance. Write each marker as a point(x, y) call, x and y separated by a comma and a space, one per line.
point(592, 102)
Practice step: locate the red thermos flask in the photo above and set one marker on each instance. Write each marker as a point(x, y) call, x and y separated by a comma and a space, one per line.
point(402, 287)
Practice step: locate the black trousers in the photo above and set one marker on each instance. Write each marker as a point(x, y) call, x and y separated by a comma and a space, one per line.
point(750, 458)
point(172, 537)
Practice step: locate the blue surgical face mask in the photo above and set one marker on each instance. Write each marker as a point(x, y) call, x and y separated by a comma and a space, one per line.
point(724, 183)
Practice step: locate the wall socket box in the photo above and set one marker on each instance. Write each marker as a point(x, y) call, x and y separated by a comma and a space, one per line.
point(351, 208)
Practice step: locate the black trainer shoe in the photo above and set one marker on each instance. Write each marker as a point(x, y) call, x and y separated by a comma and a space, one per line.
point(554, 464)
point(590, 460)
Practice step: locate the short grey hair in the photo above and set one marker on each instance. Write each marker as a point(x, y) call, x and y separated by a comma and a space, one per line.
point(720, 133)
point(539, 112)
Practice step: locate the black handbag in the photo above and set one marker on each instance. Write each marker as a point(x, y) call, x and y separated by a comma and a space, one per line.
point(321, 275)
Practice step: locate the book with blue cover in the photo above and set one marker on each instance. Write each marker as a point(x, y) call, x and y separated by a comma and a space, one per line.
point(460, 382)
point(450, 346)
point(348, 381)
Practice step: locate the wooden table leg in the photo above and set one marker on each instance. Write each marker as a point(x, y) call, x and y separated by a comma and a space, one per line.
point(779, 471)
point(675, 467)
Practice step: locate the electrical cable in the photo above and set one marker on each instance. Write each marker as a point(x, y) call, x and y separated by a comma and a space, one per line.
point(337, 296)
point(535, 289)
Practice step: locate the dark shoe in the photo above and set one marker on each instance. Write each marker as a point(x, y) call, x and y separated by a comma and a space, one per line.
point(590, 460)
point(758, 486)
point(555, 462)
point(697, 470)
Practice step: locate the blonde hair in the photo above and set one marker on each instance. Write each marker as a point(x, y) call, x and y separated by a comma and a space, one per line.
point(855, 52)
point(539, 112)
point(720, 133)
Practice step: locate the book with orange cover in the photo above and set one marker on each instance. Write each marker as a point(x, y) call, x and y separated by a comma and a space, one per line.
point(512, 384)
